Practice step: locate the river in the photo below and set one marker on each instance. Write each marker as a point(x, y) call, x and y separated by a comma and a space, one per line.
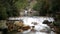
point(40, 26)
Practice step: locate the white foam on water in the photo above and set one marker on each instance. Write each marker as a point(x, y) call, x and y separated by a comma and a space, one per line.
point(39, 20)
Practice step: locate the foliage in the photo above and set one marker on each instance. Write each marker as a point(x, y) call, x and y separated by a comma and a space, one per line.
point(21, 4)
point(9, 8)
point(41, 7)
point(47, 6)
point(3, 14)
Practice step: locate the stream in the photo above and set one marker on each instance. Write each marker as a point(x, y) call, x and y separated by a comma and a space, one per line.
point(40, 26)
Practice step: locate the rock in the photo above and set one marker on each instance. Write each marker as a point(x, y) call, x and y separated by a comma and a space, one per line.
point(20, 30)
point(26, 27)
point(19, 23)
point(57, 29)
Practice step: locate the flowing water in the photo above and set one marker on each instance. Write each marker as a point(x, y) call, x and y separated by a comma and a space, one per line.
point(38, 27)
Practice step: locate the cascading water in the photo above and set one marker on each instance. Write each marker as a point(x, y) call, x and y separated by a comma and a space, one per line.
point(38, 27)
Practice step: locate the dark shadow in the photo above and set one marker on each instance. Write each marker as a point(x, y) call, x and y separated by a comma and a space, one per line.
point(5, 31)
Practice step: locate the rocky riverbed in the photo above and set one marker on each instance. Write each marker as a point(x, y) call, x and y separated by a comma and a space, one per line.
point(38, 27)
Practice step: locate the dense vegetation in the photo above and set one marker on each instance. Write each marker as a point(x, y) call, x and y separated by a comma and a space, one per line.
point(11, 8)
point(47, 6)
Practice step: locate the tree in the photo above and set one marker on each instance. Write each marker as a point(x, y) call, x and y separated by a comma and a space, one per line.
point(9, 8)
point(41, 6)
point(47, 6)
point(3, 14)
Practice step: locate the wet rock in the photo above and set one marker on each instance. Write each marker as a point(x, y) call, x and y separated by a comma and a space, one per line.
point(57, 29)
point(20, 30)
